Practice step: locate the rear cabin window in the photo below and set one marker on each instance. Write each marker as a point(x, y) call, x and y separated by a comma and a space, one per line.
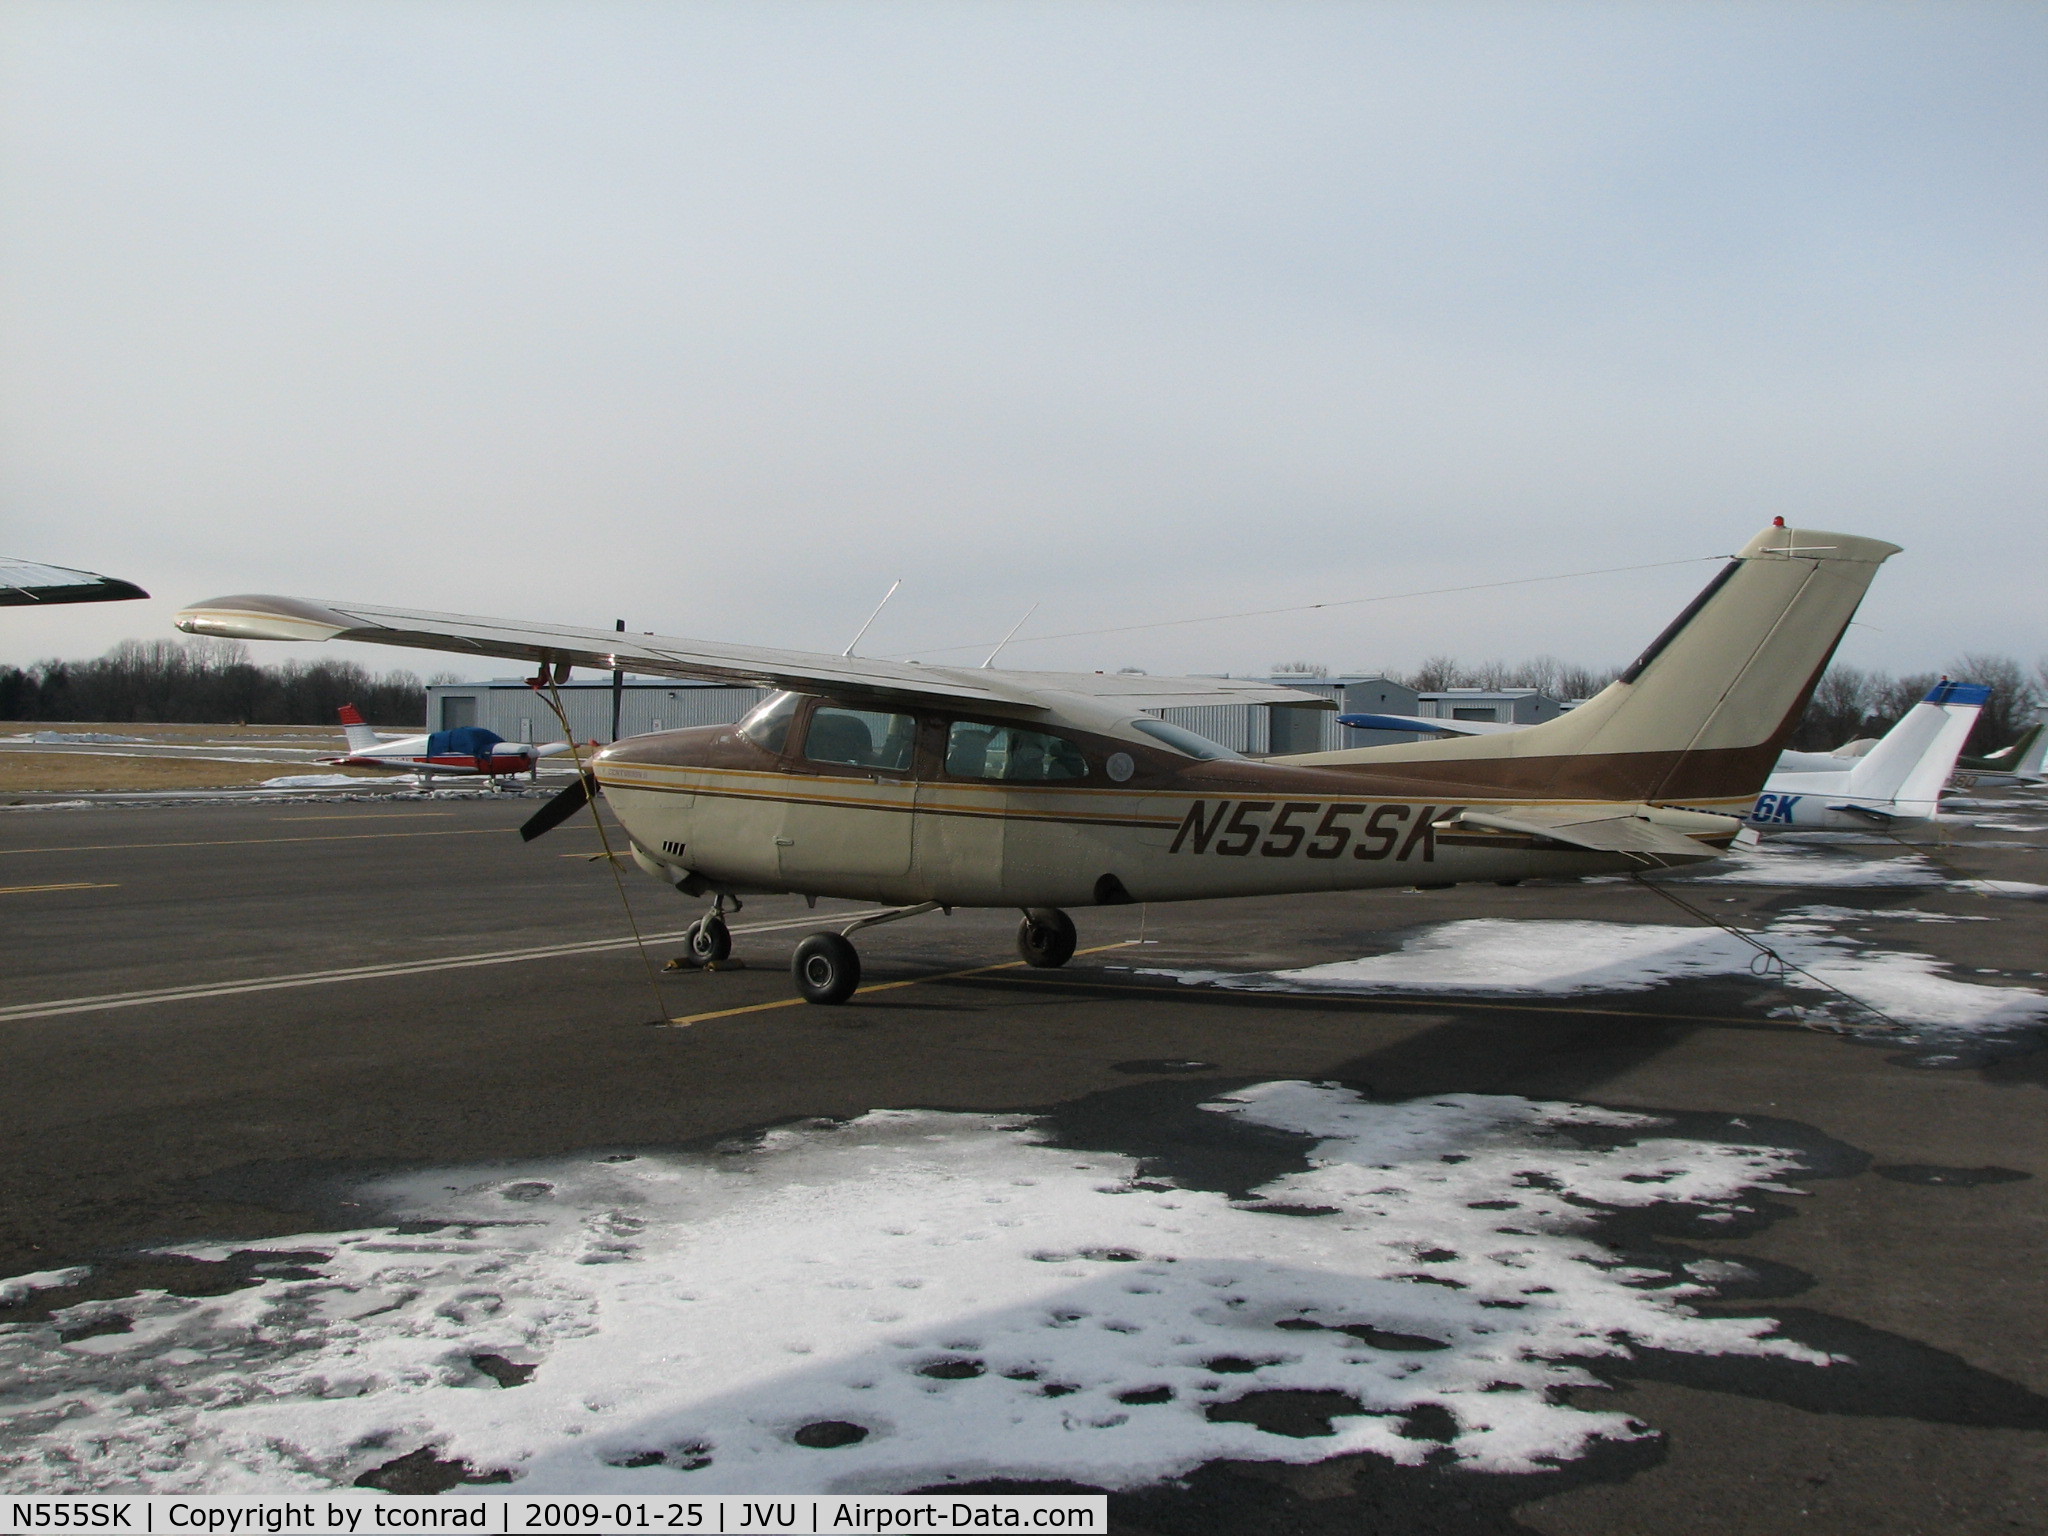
point(861, 738)
point(767, 724)
point(1183, 740)
point(1004, 752)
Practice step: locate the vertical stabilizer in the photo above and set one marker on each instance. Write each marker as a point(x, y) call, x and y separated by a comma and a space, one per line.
point(1698, 718)
point(2033, 760)
point(360, 737)
point(1913, 760)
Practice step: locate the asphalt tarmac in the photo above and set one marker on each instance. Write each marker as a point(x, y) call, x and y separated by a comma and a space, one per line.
point(213, 1017)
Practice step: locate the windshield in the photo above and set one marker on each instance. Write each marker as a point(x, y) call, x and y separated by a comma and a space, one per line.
point(768, 724)
point(1184, 741)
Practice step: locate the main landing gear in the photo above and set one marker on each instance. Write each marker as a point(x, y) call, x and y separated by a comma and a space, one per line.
point(826, 966)
point(1046, 937)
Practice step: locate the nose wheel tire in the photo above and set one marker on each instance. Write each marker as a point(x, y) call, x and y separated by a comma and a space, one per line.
point(1046, 937)
point(710, 940)
point(826, 968)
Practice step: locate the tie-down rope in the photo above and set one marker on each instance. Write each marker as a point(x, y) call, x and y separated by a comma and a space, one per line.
point(1770, 965)
point(588, 779)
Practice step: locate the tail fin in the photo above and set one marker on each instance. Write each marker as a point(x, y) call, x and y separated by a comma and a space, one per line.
point(2013, 757)
point(360, 737)
point(1699, 717)
point(2031, 763)
point(1913, 760)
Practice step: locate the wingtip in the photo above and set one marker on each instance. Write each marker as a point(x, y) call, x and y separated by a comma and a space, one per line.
point(259, 616)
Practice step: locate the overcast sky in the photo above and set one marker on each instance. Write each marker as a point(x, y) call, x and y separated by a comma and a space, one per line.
point(719, 318)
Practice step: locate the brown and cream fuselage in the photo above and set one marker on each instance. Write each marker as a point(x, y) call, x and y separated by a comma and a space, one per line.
point(714, 809)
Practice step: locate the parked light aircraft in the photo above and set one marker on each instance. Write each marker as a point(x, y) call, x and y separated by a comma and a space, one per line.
point(1895, 783)
point(938, 787)
point(2024, 761)
point(23, 582)
point(465, 750)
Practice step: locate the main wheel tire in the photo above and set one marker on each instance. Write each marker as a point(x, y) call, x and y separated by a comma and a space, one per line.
point(710, 939)
point(1046, 937)
point(826, 968)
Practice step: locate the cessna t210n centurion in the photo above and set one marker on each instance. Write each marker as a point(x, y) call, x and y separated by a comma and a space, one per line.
point(935, 787)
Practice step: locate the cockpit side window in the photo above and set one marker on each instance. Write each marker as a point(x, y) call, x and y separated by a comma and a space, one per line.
point(978, 751)
point(1184, 740)
point(767, 724)
point(861, 738)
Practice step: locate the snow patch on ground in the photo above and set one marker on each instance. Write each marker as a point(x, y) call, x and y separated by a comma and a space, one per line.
point(1775, 862)
point(73, 738)
point(318, 781)
point(2018, 889)
point(1493, 957)
point(955, 1295)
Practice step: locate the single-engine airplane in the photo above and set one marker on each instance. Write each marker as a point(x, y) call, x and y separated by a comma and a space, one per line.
point(936, 787)
point(1896, 784)
point(467, 750)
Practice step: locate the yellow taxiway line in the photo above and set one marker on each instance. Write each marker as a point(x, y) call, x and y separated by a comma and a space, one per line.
point(199, 991)
point(73, 885)
point(879, 986)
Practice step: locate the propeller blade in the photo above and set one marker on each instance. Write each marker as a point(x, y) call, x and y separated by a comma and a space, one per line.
point(562, 807)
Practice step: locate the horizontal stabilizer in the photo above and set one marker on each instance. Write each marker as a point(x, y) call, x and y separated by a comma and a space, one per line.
point(1657, 840)
point(1426, 723)
point(1868, 812)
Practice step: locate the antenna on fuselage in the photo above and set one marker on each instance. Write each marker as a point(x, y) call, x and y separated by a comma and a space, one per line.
point(873, 616)
point(992, 655)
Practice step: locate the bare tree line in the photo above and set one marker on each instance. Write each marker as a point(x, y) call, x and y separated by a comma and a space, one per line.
point(206, 682)
point(203, 682)
point(1849, 703)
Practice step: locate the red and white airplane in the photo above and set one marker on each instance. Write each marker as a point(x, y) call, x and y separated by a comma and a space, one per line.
point(467, 749)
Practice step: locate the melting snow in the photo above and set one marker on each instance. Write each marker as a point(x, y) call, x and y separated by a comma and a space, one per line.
point(1775, 862)
point(318, 781)
point(912, 1297)
point(1518, 957)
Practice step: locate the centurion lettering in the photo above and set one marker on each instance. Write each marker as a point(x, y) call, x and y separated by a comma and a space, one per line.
point(1310, 829)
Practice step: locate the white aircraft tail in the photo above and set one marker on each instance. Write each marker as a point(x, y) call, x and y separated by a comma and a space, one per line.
point(361, 738)
point(1699, 718)
point(1911, 762)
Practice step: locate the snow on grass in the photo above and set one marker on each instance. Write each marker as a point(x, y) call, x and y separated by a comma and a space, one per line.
point(321, 780)
point(1484, 957)
point(911, 1297)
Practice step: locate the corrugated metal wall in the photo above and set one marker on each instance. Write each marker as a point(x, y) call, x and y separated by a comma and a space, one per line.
point(1240, 727)
point(516, 713)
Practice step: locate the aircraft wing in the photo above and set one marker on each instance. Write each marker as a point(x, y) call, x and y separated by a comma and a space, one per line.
point(1661, 839)
point(1428, 723)
point(259, 617)
point(23, 582)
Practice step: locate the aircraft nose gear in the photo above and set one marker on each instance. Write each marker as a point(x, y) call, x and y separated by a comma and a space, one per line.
point(826, 968)
point(1046, 937)
point(708, 939)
